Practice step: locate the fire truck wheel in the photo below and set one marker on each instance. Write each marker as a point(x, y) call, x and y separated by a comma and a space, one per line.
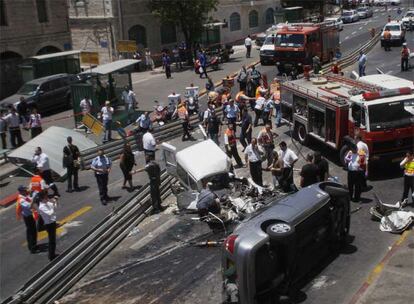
point(301, 134)
point(342, 153)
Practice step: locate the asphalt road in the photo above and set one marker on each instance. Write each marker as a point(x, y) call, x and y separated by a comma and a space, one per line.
point(200, 274)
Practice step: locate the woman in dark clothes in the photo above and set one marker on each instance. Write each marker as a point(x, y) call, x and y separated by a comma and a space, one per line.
point(126, 163)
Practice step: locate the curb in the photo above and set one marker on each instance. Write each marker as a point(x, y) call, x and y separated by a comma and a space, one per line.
point(8, 200)
point(375, 273)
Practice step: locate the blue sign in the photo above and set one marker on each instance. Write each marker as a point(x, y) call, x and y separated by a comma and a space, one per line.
point(104, 43)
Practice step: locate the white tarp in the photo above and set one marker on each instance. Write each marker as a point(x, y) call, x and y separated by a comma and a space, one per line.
point(397, 221)
point(52, 141)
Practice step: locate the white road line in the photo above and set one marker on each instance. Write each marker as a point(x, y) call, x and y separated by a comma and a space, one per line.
point(347, 37)
point(360, 28)
point(353, 33)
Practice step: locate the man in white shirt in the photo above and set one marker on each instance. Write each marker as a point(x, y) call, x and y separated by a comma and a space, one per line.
point(248, 45)
point(85, 105)
point(42, 164)
point(232, 113)
point(363, 149)
point(253, 156)
point(13, 124)
point(150, 144)
point(144, 122)
point(288, 158)
point(129, 98)
point(106, 113)
point(47, 211)
point(258, 108)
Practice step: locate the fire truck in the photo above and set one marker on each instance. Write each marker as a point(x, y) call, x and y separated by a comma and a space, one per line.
point(296, 44)
point(332, 109)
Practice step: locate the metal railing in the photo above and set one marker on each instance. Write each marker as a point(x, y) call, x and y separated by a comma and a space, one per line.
point(57, 277)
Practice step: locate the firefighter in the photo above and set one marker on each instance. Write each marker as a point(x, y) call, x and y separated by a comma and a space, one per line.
point(25, 210)
point(230, 142)
point(408, 165)
point(405, 54)
point(185, 121)
point(387, 40)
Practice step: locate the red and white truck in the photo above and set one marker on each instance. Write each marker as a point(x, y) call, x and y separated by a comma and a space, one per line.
point(295, 44)
point(333, 109)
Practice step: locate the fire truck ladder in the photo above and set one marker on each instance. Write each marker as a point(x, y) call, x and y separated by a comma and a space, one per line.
point(353, 83)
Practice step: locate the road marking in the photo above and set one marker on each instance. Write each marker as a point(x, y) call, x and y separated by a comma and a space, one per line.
point(43, 234)
point(374, 274)
point(347, 37)
point(360, 28)
point(353, 33)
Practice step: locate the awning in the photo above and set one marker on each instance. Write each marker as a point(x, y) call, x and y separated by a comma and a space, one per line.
point(108, 68)
point(52, 141)
point(54, 55)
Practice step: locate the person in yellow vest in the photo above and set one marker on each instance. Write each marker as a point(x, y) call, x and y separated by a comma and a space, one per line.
point(408, 165)
point(230, 143)
point(185, 120)
point(24, 209)
point(242, 99)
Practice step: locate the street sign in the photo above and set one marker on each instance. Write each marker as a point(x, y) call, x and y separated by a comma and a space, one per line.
point(89, 58)
point(92, 124)
point(126, 46)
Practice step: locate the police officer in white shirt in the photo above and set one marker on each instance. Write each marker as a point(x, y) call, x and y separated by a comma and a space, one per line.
point(248, 45)
point(258, 108)
point(42, 164)
point(232, 113)
point(150, 144)
point(101, 165)
point(47, 211)
point(253, 156)
point(288, 158)
point(106, 113)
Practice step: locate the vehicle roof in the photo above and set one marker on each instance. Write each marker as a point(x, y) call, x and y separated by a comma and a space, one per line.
point(47, 78)
point(111, 67)
point(393, 22)
point(387, 81)
point(57, 54)
point(203, 159)
point(360, 99)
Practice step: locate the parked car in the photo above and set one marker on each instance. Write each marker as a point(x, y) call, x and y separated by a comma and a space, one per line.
point(46, 93)
point(408, 20)
point(350, 16)
point(393, 2)
point(365, 12)
point(397, 33)
point(269, 252)
point(337, 21)
point(380, 2)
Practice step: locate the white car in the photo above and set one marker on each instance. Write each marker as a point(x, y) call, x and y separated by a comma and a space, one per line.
point(393, 2)
point(408, 20)
point(337, 21)
point(397, 33)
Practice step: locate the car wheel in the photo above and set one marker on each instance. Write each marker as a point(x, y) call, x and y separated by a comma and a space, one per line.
point(280, 231)
point(301, 134)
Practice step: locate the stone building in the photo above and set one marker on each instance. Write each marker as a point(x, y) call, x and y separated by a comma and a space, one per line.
point(97, 25)
point(29, 28)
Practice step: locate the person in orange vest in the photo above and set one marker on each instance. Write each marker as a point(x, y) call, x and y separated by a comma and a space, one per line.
point(24, 209)
point(185, 121)
point(405, 54)
point(230, 142)
point(241, 99)
point(37, 183)
point(408, 165)
point(266, 140)
point(387, 40)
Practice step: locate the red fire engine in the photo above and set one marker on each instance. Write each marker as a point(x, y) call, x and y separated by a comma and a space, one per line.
point(296, 44)
point(333, 109)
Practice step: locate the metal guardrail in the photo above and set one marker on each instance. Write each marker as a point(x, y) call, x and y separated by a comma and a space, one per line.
point(57, 277)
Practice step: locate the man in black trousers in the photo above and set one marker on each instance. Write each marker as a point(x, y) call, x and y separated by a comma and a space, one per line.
point(101, 165)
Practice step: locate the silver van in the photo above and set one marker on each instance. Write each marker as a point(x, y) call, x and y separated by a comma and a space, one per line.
point(267, 254)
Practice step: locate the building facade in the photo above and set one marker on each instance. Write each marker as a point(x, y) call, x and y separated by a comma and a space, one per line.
point(29, 28)
point(97, 25)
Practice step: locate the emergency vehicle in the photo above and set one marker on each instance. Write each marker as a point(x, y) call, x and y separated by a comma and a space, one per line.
point(333, 109)
point(296, 44)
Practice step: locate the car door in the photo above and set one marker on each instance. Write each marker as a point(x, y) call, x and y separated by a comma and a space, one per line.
point(60, 88)
point(45, 100)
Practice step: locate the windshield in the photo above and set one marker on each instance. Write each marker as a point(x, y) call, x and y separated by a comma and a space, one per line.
point(393, 28)
point(295, 40)
point(361, 9)
point(409, 14)
point(391, 115)
point(270, 40)
point(347, 14)
point(28, 89)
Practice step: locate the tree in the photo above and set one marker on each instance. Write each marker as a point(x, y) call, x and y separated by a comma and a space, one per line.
point(189, 15)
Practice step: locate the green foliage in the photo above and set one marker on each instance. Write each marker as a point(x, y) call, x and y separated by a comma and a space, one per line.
point(190, 15)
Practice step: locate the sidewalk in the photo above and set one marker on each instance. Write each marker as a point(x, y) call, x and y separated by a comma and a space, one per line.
point(392, 280)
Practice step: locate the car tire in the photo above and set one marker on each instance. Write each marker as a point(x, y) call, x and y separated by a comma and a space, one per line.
point(300, 134)
point(280, 231)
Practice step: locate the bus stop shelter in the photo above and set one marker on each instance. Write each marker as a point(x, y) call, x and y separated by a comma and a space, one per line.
point(104, 82)
point(50, 64)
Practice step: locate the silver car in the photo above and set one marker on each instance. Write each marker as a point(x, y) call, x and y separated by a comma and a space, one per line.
point(350, 16)
point(364, 12)
point(267, 254)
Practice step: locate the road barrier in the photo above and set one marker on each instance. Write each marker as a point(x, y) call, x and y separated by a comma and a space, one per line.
point(57, 277)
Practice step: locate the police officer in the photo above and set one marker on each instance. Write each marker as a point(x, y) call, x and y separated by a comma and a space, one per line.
point(101, 165)
point(25, 210)
point(154, 173)
point(207, 201)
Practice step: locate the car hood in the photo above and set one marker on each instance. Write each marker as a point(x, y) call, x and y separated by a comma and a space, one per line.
point(407, 18)
point(267, 47)
point(393, 33)
point(11, 100)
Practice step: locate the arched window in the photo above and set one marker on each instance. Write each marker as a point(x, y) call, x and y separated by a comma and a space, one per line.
point(253, 19)
point(168, 33)
point(269, 16)
point(138, 33)
point(235, 22)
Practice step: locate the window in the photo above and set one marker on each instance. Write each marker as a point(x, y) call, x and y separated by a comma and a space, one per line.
point(138, 33)
point(3, 13)
point(168, 33)
point(253, 19)
point(235, 22)
point(269, 16)
point(42, 11)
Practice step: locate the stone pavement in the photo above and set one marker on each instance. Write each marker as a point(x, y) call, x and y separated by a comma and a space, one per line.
point(392, 280)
